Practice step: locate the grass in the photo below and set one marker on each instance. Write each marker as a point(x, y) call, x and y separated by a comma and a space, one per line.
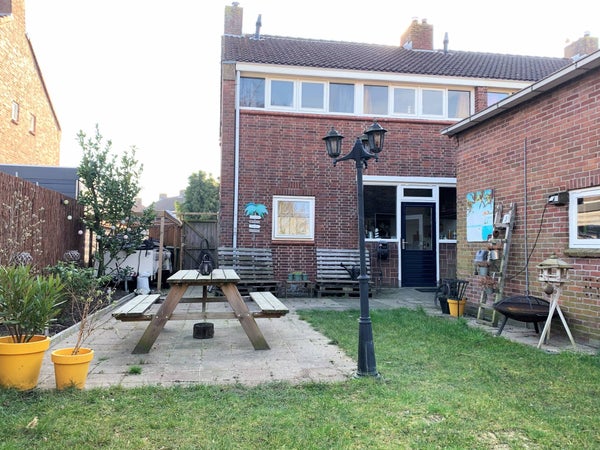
point(443, 385)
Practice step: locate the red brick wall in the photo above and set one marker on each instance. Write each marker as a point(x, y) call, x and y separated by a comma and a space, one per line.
point(20, 81)
point(284, 154)
point(562, 139)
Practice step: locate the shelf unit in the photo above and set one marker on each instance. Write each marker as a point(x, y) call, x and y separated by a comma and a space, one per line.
point(504, 224)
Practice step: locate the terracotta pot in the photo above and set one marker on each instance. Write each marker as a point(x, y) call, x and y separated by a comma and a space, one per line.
point(71, 370)
point(21, 362)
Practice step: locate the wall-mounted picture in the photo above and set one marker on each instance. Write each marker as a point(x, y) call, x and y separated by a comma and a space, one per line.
point(480, 215)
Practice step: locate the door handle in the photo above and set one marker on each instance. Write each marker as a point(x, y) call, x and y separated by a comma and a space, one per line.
point(403, 244)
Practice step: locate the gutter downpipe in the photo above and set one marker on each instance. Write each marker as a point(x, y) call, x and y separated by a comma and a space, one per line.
point(236, 167)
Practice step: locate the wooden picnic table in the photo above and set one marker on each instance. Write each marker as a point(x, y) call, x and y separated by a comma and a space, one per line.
point(180, 282)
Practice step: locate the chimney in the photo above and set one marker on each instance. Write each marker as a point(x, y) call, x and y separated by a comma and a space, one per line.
point(162, 196)
point(418, 36)
point(583, 46)
point(16, 9)
point(234, 16)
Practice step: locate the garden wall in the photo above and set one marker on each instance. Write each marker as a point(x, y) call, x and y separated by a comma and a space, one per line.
point(20, 202)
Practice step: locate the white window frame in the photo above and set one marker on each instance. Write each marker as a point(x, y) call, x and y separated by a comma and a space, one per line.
point(323, 95)
point(444, 93)
point(269, 94)
point(358, 106)
point(414, 104)
point(277, 235)
point(574, 241)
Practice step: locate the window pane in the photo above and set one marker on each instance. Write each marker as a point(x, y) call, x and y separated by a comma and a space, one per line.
point(252, 92)
point(404, 101)
point(341, 98)
point(459, 104)
point(313, 95)
point(282, 93)
point(293, 218)
point(418, 192)
point(447, 213)
point(588, 217)
point(433, 103)
point(376, 100)
point(495, 97)
point(380, 212)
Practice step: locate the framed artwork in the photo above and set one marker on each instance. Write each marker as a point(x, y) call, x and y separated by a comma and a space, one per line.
point(480, 215)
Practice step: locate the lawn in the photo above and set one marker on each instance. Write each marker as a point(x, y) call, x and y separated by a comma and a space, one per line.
point(442, 385)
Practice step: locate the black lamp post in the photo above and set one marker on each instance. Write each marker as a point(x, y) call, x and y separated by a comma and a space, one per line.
point(366, 147)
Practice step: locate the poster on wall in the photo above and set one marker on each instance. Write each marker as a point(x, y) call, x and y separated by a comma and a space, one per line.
point(480, 215)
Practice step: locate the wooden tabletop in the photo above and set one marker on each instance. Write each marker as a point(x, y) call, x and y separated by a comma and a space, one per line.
point(218, 276)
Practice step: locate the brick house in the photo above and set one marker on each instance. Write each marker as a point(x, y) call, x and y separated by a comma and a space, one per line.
point(542, 141)
point(281, 95)
point(29, 128)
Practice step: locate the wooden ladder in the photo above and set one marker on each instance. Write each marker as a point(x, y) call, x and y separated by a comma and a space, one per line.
point(504, 224)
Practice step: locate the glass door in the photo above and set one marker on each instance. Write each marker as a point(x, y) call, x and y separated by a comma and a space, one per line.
point(418, 245)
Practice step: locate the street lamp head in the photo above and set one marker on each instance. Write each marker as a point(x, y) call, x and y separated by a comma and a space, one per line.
point(365, 140)
point(333, 143)
point(376, 135)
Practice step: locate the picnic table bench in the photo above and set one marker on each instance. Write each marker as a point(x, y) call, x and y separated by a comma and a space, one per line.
point(254, 266)
point(334, 267)
point(136, 309)
point(269, 305)
point(192, 287)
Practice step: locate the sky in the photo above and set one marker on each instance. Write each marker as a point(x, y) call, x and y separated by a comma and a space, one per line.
point(147, 72)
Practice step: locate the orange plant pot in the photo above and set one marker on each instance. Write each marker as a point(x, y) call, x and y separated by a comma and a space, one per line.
point(21, 362)
point(71, 370)
point(457, 307)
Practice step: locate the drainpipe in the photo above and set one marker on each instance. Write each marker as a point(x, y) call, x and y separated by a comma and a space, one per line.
point(236, 164)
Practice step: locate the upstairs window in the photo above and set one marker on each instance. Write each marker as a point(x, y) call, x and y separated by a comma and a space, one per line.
point(375, 100)
point(252, 92)
point(341, 98)
point(282, 93)
point(584, 218)
point(405, 101)
point(349, 98)
point(433, 102)
point(495, 97)
point(459, 104)
point(312, 96)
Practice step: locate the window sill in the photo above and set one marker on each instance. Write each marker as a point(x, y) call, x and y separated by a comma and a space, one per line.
point(582, 252)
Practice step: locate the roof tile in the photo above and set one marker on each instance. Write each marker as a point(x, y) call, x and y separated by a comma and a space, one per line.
point(385, 58)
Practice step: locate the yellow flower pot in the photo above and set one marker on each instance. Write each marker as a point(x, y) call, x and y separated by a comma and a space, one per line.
point(71, 370)
point(21, 362)
point(457, 307)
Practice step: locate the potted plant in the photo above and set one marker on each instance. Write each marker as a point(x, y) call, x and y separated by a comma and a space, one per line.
point(28, 303)
point(87, 294)
point(489, 284)
point(482, 267)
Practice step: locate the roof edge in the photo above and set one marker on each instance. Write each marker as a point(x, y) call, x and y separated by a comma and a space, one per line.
point(552, 81)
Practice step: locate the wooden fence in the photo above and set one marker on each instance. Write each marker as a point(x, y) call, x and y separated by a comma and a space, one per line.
point(22, 204)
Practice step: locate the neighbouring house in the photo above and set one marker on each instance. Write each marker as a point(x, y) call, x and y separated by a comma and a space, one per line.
point(29, 128)
point(61, 179)
point(540, 148)
point(279, 189)
point(165, 203)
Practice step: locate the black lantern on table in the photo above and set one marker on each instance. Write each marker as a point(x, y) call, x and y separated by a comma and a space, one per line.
point(368, 146)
